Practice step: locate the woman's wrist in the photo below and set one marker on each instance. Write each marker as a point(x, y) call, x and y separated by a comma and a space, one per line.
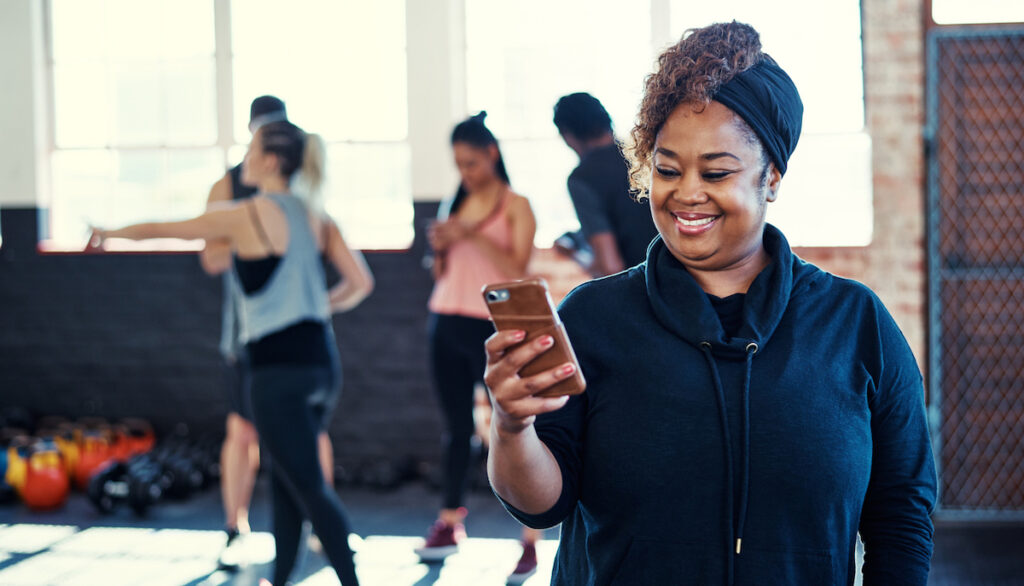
point(98, 236)
point(506, 427)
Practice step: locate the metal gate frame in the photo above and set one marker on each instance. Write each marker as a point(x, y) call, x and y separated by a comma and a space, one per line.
point(934, 34)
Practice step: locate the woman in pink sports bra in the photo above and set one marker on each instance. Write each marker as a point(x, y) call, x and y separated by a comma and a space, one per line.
point(484, 234)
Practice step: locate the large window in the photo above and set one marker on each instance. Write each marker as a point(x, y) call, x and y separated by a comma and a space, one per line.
point(151, 104)
point(607, 48)
point(599, 46)
point(340, 68)
point(134, 113)
point(977, 11)
point(150, 100)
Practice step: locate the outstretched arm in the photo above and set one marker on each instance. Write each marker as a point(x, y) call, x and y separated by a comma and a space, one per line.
point(220, 223)
point(215, 257)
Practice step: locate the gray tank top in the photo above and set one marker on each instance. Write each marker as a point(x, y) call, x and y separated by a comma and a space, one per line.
point(295, 291)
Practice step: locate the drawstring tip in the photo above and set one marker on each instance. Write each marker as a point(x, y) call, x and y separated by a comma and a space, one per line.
point(738, 543)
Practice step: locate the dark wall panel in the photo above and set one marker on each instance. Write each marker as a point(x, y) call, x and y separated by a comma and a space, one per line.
point(136, 335)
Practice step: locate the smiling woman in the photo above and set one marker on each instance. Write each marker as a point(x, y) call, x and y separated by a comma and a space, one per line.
point(747, 414)
point(709, 206)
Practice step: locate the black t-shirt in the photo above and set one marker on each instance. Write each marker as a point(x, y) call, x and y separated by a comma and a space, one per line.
point(730, 312)
point(599, 188)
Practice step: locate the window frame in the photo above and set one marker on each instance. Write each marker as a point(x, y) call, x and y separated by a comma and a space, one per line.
point(223, 61)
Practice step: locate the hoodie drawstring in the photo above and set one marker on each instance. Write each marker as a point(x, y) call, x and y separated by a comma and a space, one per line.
point(723, 416)
point(751, 349)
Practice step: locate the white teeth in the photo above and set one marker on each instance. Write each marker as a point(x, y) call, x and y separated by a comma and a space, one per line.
point(700, 222)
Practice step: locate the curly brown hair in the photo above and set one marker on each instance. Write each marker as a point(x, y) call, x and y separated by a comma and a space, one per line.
point(691, 71)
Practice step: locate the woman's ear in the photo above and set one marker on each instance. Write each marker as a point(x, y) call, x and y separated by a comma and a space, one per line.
point(774, 180)
point(492, 153)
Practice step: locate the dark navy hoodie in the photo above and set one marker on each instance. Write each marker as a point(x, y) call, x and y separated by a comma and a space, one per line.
point(695, 458)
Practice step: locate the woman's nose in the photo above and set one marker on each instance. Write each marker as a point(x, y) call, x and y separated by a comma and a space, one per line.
point(690, 189)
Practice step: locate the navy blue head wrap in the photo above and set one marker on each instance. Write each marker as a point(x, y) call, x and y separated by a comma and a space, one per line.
point(766, 99)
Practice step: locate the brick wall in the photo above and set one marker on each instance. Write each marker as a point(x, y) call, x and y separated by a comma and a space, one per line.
point(894, 89)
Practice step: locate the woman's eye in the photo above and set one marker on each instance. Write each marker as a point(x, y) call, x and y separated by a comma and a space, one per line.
point(716, 176)
point(665, 172)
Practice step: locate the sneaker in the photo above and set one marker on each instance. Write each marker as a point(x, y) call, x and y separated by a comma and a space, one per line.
point(442, 541)
point(233, 557)
point(526, 567)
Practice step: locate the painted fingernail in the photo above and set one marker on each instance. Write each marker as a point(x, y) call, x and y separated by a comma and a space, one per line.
point(518, 335)
point(568, 369)
point(547, 341)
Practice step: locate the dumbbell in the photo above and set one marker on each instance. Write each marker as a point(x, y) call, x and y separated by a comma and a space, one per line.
point(147, 483)
point(108, 486)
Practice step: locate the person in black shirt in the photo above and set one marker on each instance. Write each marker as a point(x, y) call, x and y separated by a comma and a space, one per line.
point(617, 227)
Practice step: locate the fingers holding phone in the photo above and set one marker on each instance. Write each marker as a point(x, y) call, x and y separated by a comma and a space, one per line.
point(516, 400)
point(531, 365)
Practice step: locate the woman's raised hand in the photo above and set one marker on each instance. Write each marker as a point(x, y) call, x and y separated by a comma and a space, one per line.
point(443, 234)
point(515, 404)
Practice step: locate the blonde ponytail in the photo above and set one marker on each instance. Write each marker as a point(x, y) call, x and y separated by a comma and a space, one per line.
point(308, 182)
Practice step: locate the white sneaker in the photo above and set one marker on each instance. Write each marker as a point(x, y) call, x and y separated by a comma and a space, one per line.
point(234, 556)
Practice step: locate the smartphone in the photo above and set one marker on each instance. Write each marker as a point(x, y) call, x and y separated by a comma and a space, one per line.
point(526, 305)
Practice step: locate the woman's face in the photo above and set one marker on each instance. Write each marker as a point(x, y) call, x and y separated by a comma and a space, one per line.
point(256, 163)
point(708, 196)
point(475, 164)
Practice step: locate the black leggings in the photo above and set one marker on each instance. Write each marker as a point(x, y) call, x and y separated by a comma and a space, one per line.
point(457, 359)
point(290, 405)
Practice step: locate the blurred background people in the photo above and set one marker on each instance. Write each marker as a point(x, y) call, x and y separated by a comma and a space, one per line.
point(484, 234)
point(615, 225)
point(275, 238)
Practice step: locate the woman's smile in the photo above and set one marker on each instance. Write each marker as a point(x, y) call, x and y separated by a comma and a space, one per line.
point(694, 224)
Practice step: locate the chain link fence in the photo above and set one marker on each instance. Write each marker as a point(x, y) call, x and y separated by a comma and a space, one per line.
point(976, 266)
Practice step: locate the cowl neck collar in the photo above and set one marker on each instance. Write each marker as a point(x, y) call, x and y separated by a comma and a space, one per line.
point(684, 309)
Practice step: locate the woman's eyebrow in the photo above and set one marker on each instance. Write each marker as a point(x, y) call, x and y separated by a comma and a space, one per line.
point(666, 152)
point(713, 156)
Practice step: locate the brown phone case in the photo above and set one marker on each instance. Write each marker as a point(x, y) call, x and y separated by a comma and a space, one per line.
point(526, 305)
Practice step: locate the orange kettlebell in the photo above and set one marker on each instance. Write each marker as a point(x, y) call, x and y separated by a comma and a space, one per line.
point(68, 448)
point(94, 453)
point(120, 444)
point(141, 438)
point(46, 480)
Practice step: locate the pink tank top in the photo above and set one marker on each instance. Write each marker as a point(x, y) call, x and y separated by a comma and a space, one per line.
point(467, 269)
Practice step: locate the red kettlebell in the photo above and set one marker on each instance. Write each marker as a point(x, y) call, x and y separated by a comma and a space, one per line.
point(46, 480)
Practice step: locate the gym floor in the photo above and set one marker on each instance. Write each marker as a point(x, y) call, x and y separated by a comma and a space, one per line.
point(179, 542)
